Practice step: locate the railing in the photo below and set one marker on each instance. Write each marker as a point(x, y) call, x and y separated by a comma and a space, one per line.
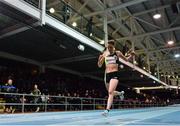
point(67, 15)
point(31, 103)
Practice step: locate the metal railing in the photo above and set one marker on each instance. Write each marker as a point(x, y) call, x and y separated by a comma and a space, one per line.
point(67, 15)
point(30, 103)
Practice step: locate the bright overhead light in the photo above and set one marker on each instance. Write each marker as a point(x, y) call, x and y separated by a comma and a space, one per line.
point(90, 34)
point(121, 66)
point(74, 24)
point(154, 82)
point(170, 42)
point(177, 55)
point(51, 10)
point(102, 42)
point(141, 76)
point(81, 47)
point(135, 62)
point(144, 68)
point(157, 16)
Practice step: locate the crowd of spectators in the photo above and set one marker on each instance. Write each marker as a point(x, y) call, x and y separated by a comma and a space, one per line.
point(27, 79)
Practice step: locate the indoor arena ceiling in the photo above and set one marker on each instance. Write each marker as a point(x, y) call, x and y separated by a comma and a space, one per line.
point(129, 21)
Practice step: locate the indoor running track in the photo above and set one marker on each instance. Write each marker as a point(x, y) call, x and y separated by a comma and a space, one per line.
point(146, 116)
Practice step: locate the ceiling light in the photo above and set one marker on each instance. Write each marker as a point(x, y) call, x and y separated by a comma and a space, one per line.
point(141, 76)
point(51, 10)
point(81, 47)
point(144, 68)
point(121, 66)
point(90, 34)
point(74, 24)
point(170, 42)
point(154, 82)
point(157, 16)
point(177, 55)
point(135, 62)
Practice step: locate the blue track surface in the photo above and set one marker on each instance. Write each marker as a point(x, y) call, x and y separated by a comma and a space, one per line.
point(145, 116)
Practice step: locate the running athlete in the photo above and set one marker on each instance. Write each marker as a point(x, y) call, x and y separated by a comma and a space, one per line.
point(111, 59)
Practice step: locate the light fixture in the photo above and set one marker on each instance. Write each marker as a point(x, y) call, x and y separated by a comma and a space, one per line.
point(135, 62)
point(154, 82)
point(155, 73)
point(74, 24)
point(90, 34)
point(102, 42)
point(177, 55)
point(141, 76)
point(170, 42)
point(81, 47)
point(157, 16)
point(121, 66)
point(144, 68)
point(51, 10)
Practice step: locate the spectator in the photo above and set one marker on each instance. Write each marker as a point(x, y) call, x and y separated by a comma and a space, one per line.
point(9, 88)
point(66, 12)
point(36, 98)
point(89, 27)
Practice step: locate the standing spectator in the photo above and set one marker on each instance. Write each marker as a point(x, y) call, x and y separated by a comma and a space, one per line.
point(44, 100)
point(9, 88)
point(89, 26)
point(36, 98)
point(66, 12)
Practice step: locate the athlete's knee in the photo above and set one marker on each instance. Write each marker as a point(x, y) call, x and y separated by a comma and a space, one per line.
point(111, 92)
